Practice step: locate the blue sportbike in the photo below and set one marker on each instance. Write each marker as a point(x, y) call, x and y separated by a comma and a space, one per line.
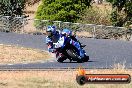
point(68, 47)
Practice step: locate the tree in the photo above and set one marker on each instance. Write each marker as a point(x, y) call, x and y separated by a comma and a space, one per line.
point(9, 9)
point(62, 10)
point(12, 7)
point(122, 12)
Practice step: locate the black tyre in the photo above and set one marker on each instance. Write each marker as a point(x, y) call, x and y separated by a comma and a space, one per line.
point(80, 61)
point(81, 80)
point(86, 58)
point(72, 53)
point(61, 59)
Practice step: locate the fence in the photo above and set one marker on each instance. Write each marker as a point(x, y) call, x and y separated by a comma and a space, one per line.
point(36, 26)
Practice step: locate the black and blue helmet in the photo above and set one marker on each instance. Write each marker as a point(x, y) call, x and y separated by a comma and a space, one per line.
point(51, 30)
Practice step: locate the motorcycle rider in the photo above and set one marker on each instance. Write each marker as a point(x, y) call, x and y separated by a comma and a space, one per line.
point(52, 37)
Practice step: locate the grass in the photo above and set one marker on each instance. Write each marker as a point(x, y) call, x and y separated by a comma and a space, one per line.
point(97, 14)
point(56, 79)
point(14, 54)
point(47, 79)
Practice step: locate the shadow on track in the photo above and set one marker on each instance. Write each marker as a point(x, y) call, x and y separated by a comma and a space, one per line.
point(77, 62)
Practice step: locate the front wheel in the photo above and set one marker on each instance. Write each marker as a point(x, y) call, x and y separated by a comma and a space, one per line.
point(86, 58)
point(73, 54)
point(80, 61)
point(61, 59)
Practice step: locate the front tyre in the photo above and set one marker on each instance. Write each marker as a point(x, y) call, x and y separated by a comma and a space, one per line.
point(80, 61)
point(72, 53)
point(86, 58)
point(60, 59)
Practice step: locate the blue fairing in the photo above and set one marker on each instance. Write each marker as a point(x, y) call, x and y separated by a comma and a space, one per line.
point(77, 45)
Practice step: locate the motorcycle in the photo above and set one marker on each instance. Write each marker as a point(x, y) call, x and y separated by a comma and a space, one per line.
point(65, 50)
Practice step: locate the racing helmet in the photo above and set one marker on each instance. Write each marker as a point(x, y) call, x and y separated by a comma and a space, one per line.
point(67, 32)
point(51, 30)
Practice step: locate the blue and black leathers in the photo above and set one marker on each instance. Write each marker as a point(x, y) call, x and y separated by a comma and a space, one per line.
point(51, 40)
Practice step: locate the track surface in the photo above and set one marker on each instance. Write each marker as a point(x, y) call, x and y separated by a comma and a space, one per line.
point(103, 53)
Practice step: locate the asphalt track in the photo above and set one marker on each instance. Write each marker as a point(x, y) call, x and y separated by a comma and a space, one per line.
point(103, 53)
